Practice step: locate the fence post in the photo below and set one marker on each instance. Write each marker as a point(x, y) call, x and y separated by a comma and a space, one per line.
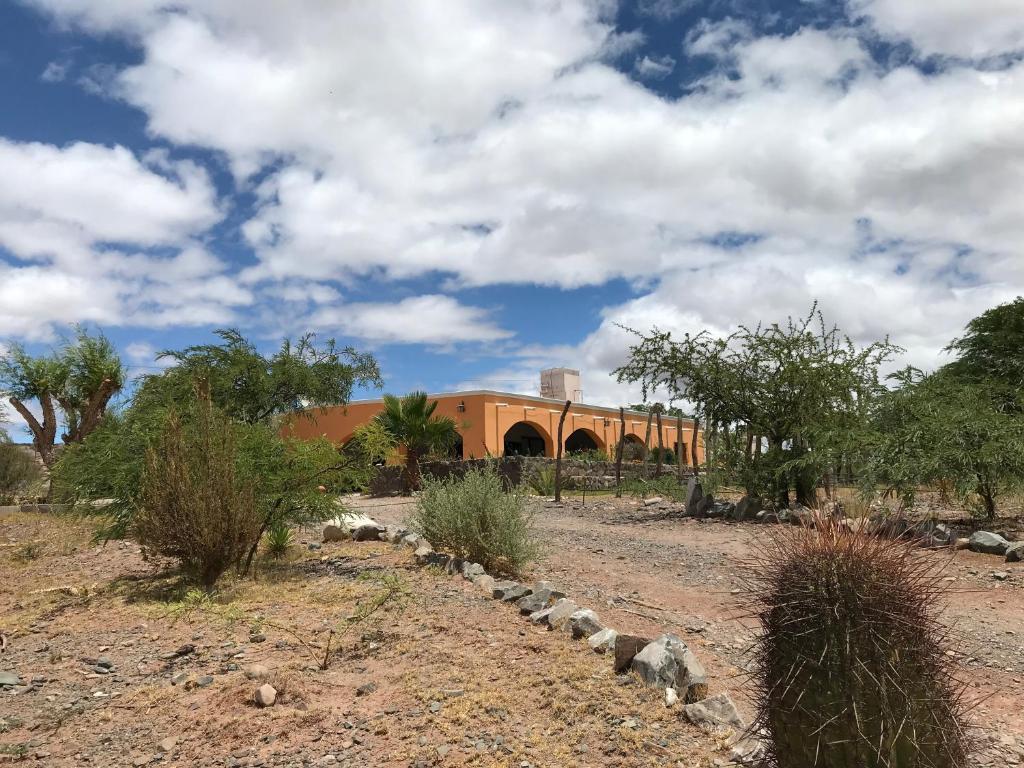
point(558, 453)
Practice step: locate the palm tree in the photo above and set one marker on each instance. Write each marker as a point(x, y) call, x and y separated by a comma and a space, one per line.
point(411, 422)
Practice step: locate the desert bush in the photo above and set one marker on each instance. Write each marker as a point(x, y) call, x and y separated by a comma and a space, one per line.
point(194, 505)
point(542, 482)
point(279, 538)
point(18, 472)
point(667, 486)
point(476, 518)
point(851, 666)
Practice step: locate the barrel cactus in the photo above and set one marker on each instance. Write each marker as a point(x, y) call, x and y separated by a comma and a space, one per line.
point(851, 668)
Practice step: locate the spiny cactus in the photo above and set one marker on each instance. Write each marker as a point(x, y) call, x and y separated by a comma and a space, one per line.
point(850, 666)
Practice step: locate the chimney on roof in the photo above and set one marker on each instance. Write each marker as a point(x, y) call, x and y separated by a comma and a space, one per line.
point(561, 384)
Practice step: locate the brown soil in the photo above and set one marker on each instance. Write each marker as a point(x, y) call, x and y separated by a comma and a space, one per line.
point(445, 677)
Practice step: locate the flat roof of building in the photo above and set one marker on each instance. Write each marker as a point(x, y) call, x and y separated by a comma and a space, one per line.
point(534, 398)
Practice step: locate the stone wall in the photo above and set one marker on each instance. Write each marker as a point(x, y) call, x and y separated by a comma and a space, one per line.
point(576, 474)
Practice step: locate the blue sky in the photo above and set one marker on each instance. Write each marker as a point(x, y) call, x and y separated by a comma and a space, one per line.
point(484, 188)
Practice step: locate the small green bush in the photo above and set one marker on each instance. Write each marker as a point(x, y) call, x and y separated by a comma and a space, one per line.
point(476, 518)
point(279, 539)
point(542, 482)
point(194, 505)
point(18, 471)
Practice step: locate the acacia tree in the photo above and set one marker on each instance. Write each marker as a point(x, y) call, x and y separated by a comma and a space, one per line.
point(793, 384)
point(992, 348)
point(79, 380)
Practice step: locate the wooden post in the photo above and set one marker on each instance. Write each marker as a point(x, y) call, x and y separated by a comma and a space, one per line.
point(693, 446)
point(647, 442)
point(679, 448)
point(661, 445)
point(558, 453)
point(618, 453)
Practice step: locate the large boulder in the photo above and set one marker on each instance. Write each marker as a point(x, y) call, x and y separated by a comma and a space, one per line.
point(1015, 553)
point(696, 501)
point(668, 663)
point(584, 623)
point(746, 508)
point(715, 713)
point(988, 543)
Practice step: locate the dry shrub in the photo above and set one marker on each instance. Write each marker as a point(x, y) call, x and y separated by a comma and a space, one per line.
point(193, 506)
point(851, 666)
point(19, 471)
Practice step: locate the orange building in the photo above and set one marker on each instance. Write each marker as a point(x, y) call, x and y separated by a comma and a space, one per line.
point(503, 424)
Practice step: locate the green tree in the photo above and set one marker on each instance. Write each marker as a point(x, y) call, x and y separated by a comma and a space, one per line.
point(252, 387)
point(669, 410)
point(940, 428)
point(992, 348)
point(411, 422)
point(79, 379)
point(794, 386)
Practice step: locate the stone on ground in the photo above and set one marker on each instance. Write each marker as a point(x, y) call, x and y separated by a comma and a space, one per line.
point(1015, 552)
point(544, 594)
point(668, 663)
point(988, 543)
point(265, 695)
point(603, 641)
point(9, 678)
point(715, 713)
point(484, 583)
point(257, 672)
point(671, 697)
point(746, 508)
point(507, 591)
point(472, 570)
point(357, 527)
point(748, 751)
point(557, 615)
point(584, 623)
point(626, 648)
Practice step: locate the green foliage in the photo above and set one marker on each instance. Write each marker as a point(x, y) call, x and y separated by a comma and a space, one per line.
point(411, 423)
point(196, 504)
point(667, 410)
point(476, 518)
point(371, 447)
point(851, 667)
point(666, 486)
point(30, 550)
point(942, 430)
point(279, 538)
point(798, 385)
point(542, 481)
point(19, 472)
point(80, 378)
point(590, 455)
point(252, 388)
point(992, 348)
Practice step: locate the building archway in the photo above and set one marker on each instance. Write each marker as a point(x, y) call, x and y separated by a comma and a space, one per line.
point(583, 440)
point(525, 439)
point(633, 448)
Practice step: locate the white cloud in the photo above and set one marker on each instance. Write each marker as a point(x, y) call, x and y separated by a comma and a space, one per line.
point(657, 68)
point(494, 142)
point(665, 9)
point(967, 28)
point(55, 72)
point(431, 319)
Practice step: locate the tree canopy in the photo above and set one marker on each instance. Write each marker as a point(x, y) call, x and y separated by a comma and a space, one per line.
point(79, 379)
point(411, 423)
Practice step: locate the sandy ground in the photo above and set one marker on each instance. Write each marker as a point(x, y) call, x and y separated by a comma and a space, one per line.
point(646, 573)
point(444, 676)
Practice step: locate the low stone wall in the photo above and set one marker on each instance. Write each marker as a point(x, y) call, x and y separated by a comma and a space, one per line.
point(515, 470)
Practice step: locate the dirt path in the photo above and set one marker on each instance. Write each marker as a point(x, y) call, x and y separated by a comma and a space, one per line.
point(646, 573)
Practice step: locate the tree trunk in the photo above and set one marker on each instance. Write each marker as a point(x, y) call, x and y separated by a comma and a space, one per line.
point(661, 446)
point(43, 435)
point(647, 441)
point(618, 453)
point(693, 446)
point(90, 416)
point(412, 470)
point(749, 453)
point(558, 453)
point(680, 448)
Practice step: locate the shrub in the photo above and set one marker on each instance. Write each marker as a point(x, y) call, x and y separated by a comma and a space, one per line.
point(476, 518)
point(542, 482)
point(18, 472)
point(193, 505)
point(850, 666)
point(279, 539)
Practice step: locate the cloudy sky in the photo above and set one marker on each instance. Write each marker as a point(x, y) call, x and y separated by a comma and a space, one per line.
point(476, 189)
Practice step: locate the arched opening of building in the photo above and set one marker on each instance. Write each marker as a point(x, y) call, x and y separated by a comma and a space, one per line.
point(455, 452)
point(523, 439)
point(582, 440)
point(633, 448)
